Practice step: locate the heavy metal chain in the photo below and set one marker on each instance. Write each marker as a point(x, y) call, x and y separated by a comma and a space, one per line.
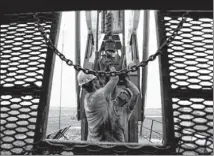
point(124, 71)
point(109, 24)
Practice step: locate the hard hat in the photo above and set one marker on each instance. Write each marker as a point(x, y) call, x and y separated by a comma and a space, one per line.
point(83, 78)
point(124, 94)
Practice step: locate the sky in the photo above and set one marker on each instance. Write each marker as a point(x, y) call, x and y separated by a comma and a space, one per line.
point(64, 87)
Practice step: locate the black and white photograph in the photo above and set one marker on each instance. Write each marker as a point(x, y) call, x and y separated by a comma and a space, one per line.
point(106, 81)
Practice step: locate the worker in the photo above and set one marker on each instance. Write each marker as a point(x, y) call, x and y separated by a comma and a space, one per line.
point(110, 58)
point(97, 104)
point(121, 109)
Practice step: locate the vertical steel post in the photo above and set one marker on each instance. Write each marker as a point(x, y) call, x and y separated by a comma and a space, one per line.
point(81, 111)
point(97, 31)
point(166, 97)
point(151, 131)
point(77, 56)
point(124, 41)
point(127, 130)
point(145, 52)
point(43, 108)
point(133, 121)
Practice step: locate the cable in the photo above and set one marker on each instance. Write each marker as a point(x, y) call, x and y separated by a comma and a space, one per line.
point(60, 107)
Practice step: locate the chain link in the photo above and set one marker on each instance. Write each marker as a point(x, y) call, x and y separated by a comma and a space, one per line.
point(134, 68)
point(109, 24)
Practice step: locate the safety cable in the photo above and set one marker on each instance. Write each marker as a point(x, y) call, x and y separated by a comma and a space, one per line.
point(60, 111)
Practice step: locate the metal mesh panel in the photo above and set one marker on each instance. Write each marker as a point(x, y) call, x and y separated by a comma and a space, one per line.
point(22, 70)
point(18, 121)
point(194, 125)
point(191, 54)
point(190, 63)
point(23, 53)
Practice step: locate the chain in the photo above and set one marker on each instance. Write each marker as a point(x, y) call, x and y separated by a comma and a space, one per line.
point(109, 24)
point(124, 71)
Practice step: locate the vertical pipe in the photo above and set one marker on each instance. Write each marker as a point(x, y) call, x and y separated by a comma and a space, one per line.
point(151, 131)
point(80, 96)
point(77, 56)
point(124, 41)
point(97, 43)
point(97, 30)
point(145, 51)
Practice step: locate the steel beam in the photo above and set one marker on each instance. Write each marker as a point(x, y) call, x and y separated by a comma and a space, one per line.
point(43, 108)
point(166, 97)
point(77, 56)
point(145, 52)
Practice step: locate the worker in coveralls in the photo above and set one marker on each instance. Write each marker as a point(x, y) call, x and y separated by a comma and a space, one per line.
point(107, 118)
point(121, 109)
point(122, 100)
point(97, 105)
point(110, 57)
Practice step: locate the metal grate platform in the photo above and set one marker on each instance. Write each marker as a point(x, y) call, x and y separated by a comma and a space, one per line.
point(25, 59)
point(189, 63)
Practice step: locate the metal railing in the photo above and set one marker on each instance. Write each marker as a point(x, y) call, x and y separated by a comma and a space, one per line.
point(206, 138)
point(59, 134)
point(150, 129)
